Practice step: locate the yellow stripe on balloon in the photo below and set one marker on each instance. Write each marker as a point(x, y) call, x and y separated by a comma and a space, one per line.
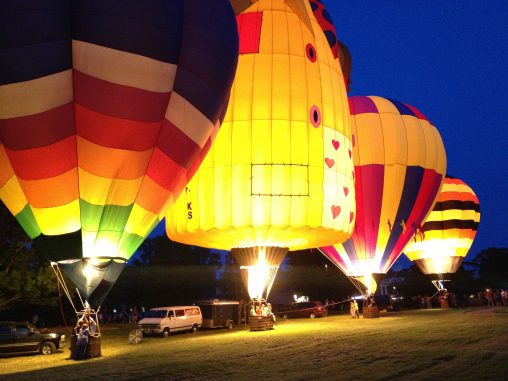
point(12, 195)
point(140, 221)
point(58, 220)
point(100, 190)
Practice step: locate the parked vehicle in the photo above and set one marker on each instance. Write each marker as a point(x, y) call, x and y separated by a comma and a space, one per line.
point(17, 337)
point(165, 320)
point(305, 309)
point(219, 313)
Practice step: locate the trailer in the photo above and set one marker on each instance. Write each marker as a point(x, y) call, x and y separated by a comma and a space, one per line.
point(219, 313)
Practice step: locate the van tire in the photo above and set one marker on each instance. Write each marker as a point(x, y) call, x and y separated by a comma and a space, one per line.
point(165, 333)
point(195, 328)
point(312, 315)
point(230, 325)
point(285, 316)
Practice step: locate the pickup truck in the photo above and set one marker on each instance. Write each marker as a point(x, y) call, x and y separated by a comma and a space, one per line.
point(18, 337)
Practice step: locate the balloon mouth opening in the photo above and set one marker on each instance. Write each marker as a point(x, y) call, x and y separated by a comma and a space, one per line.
point(259, 266)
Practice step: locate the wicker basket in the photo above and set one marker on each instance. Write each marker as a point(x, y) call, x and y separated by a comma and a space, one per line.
point(260, 323)
point(93, 348)
point(370, 312)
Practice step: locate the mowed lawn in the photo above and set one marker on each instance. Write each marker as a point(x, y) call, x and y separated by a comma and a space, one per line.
point(412, 345)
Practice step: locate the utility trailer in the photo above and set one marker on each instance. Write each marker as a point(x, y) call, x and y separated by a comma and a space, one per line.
point(219, 313)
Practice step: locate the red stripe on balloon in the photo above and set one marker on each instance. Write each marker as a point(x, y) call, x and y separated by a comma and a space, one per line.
point(45, 162)
point(174, 143)
point(113, 132)
point(369, 199)
point(332, 254)
point(417, 112)
point(118, 100)
point(38, 130)
point(165, 171)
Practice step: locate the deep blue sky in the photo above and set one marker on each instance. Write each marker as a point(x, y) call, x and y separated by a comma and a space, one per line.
point(450, 60)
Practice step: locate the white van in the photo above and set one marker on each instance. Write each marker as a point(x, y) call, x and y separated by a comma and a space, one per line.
point(164, 320)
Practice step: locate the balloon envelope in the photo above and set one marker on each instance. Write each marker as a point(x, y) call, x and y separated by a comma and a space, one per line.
point(276, 172)
point(449, 230)
point(107, 108)
point(400, 163)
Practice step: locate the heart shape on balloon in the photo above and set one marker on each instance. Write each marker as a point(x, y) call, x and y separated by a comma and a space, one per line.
point(329, 162)
point(346, 191)
point(335, 211)
point(351, 216)
point(335, 144)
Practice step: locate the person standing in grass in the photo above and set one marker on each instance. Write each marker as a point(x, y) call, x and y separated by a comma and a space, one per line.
point(353, 310)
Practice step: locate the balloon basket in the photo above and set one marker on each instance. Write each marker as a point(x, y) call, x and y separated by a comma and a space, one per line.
point(370, 312)
point(260, 323)
point(93, 348)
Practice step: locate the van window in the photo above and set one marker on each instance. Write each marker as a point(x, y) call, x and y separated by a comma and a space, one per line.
point(192, 311)
point(154, 314)
point(179, 313)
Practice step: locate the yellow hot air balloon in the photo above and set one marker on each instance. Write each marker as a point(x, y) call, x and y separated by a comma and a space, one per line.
point(279, 176)
point(440, 246)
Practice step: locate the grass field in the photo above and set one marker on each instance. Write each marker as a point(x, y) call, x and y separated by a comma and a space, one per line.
point(412, 345)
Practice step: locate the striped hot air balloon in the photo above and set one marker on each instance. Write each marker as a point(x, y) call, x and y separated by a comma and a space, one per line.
point(440, 245)
point(107, 108)
point(272, 178)
point(400, 163)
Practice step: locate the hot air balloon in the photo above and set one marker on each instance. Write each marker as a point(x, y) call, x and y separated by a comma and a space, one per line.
point(440, 245)
point(339, 49)
point(106, 110)
point(400, 163)
point(271, 181)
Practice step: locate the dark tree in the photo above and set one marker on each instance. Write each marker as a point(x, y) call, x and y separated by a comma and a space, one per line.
point(25, 275)
point(492, 267)
point(161, 251)
point(308, 272)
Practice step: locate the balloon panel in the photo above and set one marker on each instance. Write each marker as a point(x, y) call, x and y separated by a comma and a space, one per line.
point(280, 172)
point(449, 230)
point(396, 182)
point(111, 111)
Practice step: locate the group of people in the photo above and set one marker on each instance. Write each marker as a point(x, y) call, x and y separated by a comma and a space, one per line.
point(86, 327)
point(261, 308)
point(494, 297)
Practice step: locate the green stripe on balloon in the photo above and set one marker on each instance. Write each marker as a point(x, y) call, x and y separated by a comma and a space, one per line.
point(104, 217)
point(27, 221)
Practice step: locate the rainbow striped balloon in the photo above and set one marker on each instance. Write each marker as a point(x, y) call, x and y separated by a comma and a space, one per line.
point(400, 163)
point(107, 108)
point(449, 230)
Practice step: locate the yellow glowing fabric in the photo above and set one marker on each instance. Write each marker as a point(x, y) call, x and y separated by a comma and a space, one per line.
point(280, 171)
point(449, 230)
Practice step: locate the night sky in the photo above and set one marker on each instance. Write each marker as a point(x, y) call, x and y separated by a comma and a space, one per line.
point(449, 59)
